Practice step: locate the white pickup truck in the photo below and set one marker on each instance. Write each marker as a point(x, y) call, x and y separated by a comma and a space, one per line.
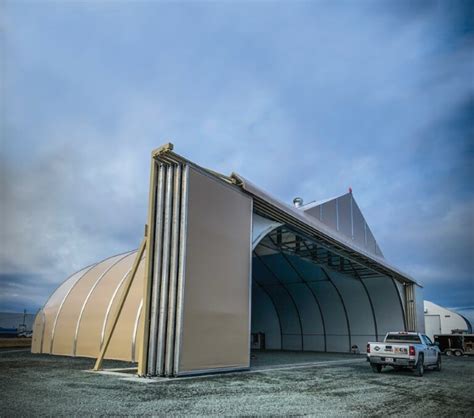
point(404, 350)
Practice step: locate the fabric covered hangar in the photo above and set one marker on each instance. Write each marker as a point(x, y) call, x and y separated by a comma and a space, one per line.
point(227, 266)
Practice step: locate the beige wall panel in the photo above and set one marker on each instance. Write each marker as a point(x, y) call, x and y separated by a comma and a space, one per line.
point(138, 336)
point(67, 319)
point(216, 311)
point(90, 327)
point(53, 304)
point(38, 327)
point(120, 347)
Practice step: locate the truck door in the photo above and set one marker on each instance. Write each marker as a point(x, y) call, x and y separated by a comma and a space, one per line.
point(431, 352)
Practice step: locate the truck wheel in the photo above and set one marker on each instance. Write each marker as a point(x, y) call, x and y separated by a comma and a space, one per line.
point(438, 364)
point(420, 368)
point(376, 368)
point(458, 353)
point(449, 353)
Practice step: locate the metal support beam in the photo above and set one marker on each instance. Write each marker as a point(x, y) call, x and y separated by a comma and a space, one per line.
point(175, 227)
point(121, 302)
point(401, 304)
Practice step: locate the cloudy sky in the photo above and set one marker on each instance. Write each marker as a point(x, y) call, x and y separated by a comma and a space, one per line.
point(302, 98)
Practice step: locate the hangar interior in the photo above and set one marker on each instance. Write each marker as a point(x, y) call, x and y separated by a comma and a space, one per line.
point(228, 268)
point(310, 299)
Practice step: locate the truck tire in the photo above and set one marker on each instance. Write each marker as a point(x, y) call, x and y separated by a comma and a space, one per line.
point(458, 353)
point(376, 368)
point(448, 352)
point(420, 367)
point(438, 363)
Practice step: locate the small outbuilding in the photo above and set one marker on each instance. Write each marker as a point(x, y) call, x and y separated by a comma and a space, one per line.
point(439, 320)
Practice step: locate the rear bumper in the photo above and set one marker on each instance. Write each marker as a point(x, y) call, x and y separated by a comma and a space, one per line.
point(404, 362)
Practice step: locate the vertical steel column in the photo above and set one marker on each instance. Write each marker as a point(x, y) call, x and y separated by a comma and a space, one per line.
point(183, 224)
point(154, 269)
point(175, 227)
point(401, 304)
point(163, 309)
point(410, 307)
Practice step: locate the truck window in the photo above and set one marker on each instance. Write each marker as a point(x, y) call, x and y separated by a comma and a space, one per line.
point(402, 338)
point(427, 340)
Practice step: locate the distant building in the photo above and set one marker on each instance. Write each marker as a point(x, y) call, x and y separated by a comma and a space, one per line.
point(439, 320)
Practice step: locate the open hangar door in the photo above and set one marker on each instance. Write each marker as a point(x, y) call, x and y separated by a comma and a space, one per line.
point(222, 260)
point(308, 298)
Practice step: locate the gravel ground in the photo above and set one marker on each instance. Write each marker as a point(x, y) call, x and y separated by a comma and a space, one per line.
point(46, 385)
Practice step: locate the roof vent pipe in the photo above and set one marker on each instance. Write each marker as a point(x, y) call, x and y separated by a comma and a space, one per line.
point(298, 202)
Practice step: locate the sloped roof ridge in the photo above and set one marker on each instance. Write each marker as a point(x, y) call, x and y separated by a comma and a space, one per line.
point(315, 203)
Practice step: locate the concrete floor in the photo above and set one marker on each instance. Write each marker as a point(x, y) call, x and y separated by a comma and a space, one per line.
point(326, 385)
point(273, 359)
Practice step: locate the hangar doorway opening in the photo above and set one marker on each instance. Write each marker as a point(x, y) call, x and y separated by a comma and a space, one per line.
point(221, 260)
point(307, 298)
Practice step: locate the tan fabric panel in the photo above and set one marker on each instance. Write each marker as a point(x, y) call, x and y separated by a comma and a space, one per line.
point(139, 335)
point(216, 314)
point(90, 327)
point(67, 319)
point(120, 347)
point(38, 328)
point(52, 306)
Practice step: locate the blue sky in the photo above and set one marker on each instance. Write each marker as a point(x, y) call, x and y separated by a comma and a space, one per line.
point(302, 98)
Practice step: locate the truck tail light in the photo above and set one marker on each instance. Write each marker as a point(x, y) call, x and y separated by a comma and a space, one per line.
point(411, 350)
point(368, 348)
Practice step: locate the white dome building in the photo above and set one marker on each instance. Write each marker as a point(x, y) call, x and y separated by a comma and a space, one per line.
point(439, 320)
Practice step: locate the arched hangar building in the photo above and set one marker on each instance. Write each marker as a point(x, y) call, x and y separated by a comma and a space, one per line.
point(225, 261)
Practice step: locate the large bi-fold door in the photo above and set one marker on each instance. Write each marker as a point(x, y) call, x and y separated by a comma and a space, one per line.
point(198, 293)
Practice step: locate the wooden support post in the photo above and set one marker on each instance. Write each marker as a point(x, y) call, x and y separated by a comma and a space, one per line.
point(123, 297)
